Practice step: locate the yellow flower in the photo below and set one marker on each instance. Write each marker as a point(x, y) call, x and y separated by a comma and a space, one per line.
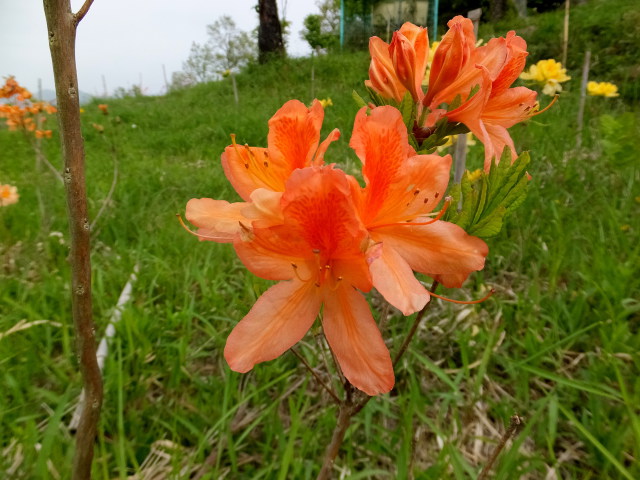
point(604, 89)
point(475, 175)
point(451, 140)
point(8, 195)
point(547, 73)
point(326, 102)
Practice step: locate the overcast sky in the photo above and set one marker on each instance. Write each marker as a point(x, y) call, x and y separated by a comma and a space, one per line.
point(126, 40)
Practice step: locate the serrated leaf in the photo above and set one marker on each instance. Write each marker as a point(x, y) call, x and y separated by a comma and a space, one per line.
point(490, 226)
point(482, 199)
point(489, 200)
point(469, 200)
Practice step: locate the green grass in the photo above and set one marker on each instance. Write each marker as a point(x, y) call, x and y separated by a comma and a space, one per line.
point(558, 344)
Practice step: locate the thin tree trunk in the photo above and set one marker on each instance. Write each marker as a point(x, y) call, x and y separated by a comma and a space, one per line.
point(61, 26)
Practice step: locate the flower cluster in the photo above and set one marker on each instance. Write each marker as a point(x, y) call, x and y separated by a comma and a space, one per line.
point(603, 89)
point(548, 74)
point(328, 240)
point(21, 113)
point(8, 195)
point(467, 84)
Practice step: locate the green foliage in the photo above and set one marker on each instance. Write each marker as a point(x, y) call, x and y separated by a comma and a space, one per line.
point(620, 137)
point(609, 28)
point(486, 201)
point(322, 30)
point(227, 50)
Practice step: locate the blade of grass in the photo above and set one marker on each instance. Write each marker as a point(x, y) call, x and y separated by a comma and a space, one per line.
point(601, 448)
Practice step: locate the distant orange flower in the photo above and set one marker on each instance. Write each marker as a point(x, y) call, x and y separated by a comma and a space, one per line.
point(43, 133)
point(104, 108)
point(8, 195)
point(12, 88)
point(293, 142)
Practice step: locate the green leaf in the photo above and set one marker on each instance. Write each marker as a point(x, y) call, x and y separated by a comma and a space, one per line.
point(455, 103)
point(359, 100)
point(407, 109)
point(487, 201)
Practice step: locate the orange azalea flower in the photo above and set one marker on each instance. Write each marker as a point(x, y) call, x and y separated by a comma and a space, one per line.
point(43, 133)
point(104, 108)
point(293, 142)
point(11, 88)
point(316, 250)
point(402, 190)
point(489, 106)
point(400, 66)
point(8, 195)
point(451, 56)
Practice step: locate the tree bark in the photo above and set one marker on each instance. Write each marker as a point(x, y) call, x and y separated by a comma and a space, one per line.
point(270, 42)
point(61, 26)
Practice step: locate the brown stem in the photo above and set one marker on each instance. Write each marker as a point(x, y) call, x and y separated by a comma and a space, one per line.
point(61, 26)
point(356, 401)
point(344, 420)
point(514, 427)
point(414, 327)
point(316, 376)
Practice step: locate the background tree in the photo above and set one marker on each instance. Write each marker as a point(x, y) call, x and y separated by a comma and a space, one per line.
point(199, 67)
point(227, 51)
point(322, 30)
point(270, 42)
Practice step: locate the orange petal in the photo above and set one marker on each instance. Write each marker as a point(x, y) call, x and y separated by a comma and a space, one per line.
point(250, 168)
point(264, 208)
point(382, 75)
point(516, 61)
point(356, 342)
point(409, 52)
point(439, 248)
point(380, 141)
point(294, 134)
point(417, 189)
point(394, 279)
point(451, 56)
point(322, 149)
point(317, 204)
point(270, 252)
point(276, 322)
point(218, 220)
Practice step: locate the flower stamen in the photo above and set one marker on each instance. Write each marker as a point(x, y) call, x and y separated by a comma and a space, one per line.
point(463, 302)
point(447, 202)
point(195, 234)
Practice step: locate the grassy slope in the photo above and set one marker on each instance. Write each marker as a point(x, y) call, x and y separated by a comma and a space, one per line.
point(558, 344)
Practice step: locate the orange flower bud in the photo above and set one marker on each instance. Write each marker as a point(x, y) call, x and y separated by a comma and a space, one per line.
point(409, 51)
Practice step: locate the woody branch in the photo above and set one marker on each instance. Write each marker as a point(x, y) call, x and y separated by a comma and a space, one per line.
point(61, 26)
